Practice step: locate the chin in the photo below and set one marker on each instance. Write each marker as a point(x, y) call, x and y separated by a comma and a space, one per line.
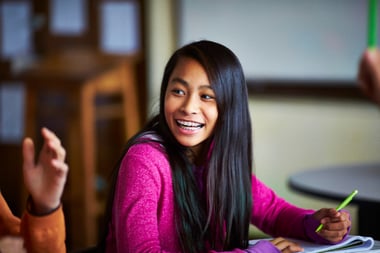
point(188, 143)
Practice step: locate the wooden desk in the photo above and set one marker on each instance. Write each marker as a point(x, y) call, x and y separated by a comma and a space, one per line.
point(62, 88)
point(337, 182)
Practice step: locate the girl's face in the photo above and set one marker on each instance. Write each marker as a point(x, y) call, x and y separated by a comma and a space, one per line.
point(190, 106)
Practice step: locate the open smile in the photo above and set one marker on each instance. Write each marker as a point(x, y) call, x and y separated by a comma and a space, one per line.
point(189, 125)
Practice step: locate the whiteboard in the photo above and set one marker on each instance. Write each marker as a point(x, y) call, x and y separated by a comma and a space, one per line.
point(279, 40)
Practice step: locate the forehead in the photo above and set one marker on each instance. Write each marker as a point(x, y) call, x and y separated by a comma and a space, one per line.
point(189, 70)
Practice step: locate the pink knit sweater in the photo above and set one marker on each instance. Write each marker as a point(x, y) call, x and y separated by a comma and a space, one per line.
point(143, 210)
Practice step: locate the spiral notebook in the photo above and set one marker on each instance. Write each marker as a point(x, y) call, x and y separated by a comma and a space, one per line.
point(353, 243)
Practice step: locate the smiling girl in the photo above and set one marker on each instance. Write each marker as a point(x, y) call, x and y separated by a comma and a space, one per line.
point(185, 183)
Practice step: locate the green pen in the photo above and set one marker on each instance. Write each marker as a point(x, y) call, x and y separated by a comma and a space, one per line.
point(372, 24)
point(341, 206)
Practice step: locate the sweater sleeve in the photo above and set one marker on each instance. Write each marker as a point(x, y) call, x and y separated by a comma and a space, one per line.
point(9, 224)
point(44, 234)
point(274, 216)
point(142, 203)
point(262, 246)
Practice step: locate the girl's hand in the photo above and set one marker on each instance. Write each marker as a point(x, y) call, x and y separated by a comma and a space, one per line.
point(335, 224)
point(286, 246)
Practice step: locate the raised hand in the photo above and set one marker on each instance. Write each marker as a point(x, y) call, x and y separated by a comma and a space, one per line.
point(45, 180)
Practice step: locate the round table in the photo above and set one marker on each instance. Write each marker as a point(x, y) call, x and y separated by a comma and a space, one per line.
point(336, 183)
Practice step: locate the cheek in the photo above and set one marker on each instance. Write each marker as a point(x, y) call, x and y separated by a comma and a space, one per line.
point(213, 116)
point(166, 106)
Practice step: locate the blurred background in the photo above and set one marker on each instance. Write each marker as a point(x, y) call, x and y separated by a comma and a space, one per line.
point(90, 70)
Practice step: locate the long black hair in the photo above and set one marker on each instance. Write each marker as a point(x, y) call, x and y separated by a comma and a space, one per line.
point(220, 218)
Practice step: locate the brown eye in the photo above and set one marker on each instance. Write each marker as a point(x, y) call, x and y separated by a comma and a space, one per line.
point(207, 97)
point(178, 92)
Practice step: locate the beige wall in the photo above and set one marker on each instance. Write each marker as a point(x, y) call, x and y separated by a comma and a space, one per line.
point(293, 134)
point(290, 134)
point(161, 44)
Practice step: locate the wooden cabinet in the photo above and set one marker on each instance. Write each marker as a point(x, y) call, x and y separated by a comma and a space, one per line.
point(61, 91)
point(92, 99)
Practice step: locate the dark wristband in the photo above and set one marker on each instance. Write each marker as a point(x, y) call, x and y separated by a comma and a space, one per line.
point(31, 209)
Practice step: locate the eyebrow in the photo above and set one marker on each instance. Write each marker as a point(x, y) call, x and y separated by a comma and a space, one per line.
point(179, 80)
point(185, 83)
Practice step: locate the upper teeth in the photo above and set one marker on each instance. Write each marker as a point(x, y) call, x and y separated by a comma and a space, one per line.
point(189, 123)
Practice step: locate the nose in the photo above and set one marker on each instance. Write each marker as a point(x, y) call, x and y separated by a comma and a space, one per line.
point(191, 105)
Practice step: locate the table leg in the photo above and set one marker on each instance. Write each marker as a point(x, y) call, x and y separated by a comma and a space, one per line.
point(130, 104)
point(369, 220)
point(89, 150)
point(81, 158)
